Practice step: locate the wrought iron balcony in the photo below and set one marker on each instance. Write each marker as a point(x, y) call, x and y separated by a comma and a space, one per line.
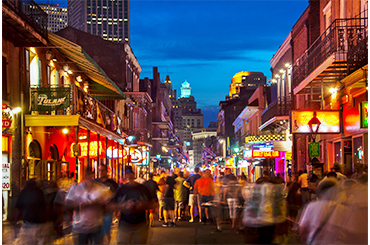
point(31, 13)
point(338, 40)
point(281, 107)
point(72, 100)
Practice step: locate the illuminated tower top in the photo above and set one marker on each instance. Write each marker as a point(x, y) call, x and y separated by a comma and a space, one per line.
point(185, 89)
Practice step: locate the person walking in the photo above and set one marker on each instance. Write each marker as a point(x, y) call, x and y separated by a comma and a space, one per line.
point(337, 167)
point(193, 197)
point(231, 186)
point(303, 184)
point(30, 207)
point(88, 199)
point(153, 188)
point(206, 190)
point(160, 194)
point(108, 215)
point(169, 202)
point(180, 192)
point(132, 199)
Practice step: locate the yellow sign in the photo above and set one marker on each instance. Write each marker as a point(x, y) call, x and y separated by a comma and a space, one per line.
point(288, 156)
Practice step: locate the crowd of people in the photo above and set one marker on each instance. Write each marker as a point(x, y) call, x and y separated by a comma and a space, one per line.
point(328, 210)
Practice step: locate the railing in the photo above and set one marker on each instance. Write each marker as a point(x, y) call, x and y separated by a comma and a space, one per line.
point(281, 107)
point(334, 40)
point(31, 12)
point(72, 100)
point(357, 51)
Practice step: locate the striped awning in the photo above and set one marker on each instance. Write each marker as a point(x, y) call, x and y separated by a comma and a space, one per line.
point(101, 86)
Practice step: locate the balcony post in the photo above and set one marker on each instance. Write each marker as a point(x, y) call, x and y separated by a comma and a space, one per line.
point(76, 132)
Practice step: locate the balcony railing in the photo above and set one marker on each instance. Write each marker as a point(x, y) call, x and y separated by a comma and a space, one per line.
point(357, 51)
point(72, 100)
point(281, 107)
point(336, 39)
point(31, 12)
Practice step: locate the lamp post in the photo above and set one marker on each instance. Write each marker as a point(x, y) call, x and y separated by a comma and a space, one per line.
point(314, 124)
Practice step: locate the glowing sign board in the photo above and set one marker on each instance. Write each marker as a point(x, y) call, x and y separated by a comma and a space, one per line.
point(93, 149)
point(364, 115)
point(266, 154)
point(330, 121)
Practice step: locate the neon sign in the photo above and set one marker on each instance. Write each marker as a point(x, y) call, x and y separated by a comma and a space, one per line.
point(364, 115)
point(266, 154)
point(93, 149)
point(330, 121)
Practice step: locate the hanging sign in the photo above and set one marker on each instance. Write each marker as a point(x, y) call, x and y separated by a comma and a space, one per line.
point(330, 121)
point(6, 118)
point(264, 151)
point(314, 149)
point(6, 176)
point(50, 99)
point(364, 115)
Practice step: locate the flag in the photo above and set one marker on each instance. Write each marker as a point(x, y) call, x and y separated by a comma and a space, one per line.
point(99, 117)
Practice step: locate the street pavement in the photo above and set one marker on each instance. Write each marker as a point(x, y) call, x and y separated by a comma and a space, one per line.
point(183, 233)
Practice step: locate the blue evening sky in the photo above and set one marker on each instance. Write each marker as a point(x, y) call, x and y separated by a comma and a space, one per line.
point(206, 42)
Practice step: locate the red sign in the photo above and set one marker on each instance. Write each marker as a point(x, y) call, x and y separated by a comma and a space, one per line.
point(4, 106)
point(266, 154)
point(7, 123)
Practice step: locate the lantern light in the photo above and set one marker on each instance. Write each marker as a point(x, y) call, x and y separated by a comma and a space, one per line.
point(65, 130)
point(314, 124)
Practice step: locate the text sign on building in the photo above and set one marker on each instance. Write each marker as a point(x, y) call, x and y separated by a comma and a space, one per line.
point(264, 151)
point(330, 121)
point(50, 99)
point(6, 176)
point(314, 149)
point(364, 115)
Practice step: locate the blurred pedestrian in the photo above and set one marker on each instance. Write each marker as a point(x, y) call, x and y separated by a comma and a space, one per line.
point(193, 197)
point(265, 177)
point(294, 200)
point(153, 188)
point(31, 208)
point(359, 171)
point(140, 179)
point(88, 199)
point(132, 199)
point(337, 167)
point(231, 186)
point(108, 214)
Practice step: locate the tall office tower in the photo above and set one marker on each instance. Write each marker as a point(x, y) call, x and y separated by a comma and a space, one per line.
point(109, 19)
point(247, 79)
point(57, 16)
point(185, 89)
point(171, 92)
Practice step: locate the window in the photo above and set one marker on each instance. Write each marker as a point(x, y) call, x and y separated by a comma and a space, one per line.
point(327, 15)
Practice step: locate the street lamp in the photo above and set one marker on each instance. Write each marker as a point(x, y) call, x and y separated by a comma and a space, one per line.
point(314, 124)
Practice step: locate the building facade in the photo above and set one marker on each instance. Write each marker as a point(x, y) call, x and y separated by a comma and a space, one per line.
point(109, 19)
point(330, 81)
point(57, 16)
point(246, 79)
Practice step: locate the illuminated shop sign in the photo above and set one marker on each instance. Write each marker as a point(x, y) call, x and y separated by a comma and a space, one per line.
point(364, 115)
point(50, 99)
point(264, 151)
point(6, 118)
point(266, 154)
point(330, 121)
point(93, 149)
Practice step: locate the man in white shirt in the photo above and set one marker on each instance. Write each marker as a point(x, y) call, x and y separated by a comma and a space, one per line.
point(337, 168)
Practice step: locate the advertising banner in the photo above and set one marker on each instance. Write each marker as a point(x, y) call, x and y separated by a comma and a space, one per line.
point(50, 98)
point(330, 121)
point(364, 115)
point(314, 149)
point(6, 176)
point(264, 151)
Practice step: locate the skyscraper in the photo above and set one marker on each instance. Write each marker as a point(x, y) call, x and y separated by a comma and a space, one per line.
point(185, 89)
point(57, 16)
point(109, 19)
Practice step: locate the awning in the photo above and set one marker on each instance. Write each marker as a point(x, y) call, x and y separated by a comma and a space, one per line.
point(102, 87)
point(67, 121)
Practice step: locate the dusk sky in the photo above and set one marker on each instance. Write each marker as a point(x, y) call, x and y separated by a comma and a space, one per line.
point(206, 42)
